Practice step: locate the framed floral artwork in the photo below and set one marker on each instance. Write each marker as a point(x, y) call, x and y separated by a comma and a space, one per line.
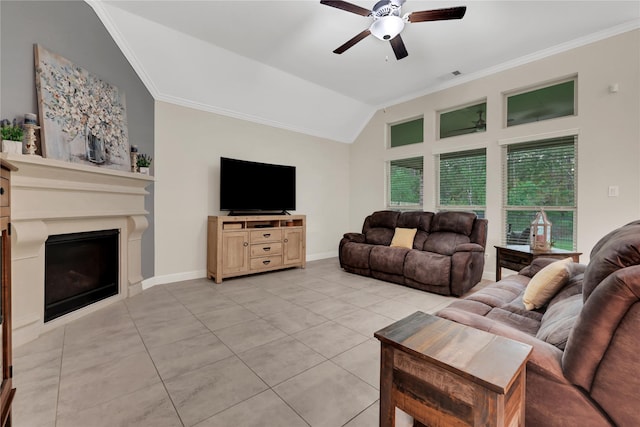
point(83, 118)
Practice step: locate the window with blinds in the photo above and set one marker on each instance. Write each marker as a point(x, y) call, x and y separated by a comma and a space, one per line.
point(406, 133)
point(405, 183)
point(462, 181)
point(541, 174)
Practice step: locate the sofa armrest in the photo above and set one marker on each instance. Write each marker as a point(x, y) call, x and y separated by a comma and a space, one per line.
point(355, 237)
point(469, 247)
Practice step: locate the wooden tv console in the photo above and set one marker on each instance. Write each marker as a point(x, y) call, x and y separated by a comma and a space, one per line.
point(240, 245)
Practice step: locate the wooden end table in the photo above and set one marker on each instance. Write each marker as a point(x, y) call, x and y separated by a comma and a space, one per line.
point(447, 374)
point(517, 257)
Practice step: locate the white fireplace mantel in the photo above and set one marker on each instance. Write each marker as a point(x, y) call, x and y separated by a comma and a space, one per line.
point(50, 197)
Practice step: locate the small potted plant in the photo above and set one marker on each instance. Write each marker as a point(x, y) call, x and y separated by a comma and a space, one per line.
point(143, 162)
point(12, 135)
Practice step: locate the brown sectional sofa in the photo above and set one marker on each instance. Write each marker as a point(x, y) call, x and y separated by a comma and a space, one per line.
point(447, 255)
point(585, 363)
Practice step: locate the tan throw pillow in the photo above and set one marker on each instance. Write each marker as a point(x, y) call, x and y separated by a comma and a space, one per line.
point(403, 238)
point(546, 283)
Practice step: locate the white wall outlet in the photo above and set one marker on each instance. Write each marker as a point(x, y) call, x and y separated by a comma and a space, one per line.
point(614, 191)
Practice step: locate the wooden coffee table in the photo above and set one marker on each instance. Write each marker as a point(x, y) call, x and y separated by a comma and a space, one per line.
point(443, 373)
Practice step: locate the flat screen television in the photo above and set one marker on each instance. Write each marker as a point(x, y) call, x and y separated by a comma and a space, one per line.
point(256, 187)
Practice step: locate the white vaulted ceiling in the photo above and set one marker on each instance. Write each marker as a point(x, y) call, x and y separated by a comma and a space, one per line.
point(271, 61)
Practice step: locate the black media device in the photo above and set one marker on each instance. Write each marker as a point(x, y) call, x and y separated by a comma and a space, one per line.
point(256, 188)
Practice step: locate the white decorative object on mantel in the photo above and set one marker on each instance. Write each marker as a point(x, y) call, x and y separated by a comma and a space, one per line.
point(30, 138)
point(13, 147)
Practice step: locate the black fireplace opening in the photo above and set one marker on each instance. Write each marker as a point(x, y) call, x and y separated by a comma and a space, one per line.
point(80, 269)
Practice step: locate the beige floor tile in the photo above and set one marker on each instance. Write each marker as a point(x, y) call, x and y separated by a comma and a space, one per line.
point(247, 335)
point(281, 359)
point(362, 361)
point(364, 322)
point(327, 395)
point(189, 354)
point(330, 339)
point(263, 410)
point(331, 308)
point(101, 349)
point(204, 392)
point(82, 389)
point(219, 319)
point(295, 320)
point(150, 407)
point(304, 296)
point(167, 331)
point(361, 298)
point(270, 305)
point(392, 309)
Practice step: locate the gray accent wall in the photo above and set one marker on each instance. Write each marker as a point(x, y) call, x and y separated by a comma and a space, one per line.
point(72, 30)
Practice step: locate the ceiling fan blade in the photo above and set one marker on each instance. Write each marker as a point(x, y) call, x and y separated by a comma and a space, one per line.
point(349, 7)
point(352, 41)
point(438, 14)
point(398, 47)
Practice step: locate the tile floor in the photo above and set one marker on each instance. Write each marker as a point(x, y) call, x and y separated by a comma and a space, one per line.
point(283, 349)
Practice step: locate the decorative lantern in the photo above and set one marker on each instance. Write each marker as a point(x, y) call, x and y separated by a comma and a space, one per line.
point(540, 238)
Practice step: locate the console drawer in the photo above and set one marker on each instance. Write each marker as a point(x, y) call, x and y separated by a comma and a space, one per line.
point(266, 262)
point(266, 249)
point(266, 235)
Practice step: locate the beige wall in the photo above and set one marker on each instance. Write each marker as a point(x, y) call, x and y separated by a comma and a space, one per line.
point(188, 147)
point(607, 124)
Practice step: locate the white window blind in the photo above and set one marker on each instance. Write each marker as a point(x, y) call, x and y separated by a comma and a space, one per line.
point(541, 174)
point(406, 183)
point(462, 181)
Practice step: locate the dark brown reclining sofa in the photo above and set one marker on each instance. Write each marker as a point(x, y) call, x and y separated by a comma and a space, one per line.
point(447, 255)
point(584, 369)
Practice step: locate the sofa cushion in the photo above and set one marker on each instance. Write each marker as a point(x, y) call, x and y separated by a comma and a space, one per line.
point(379, 236)
point(616, 250)
point(415, 219)
point(356, 255)
point(559, 319)
point(444, 242)
point(428, 268)
point(403, 238)
point(387, 259)
point(544, 285)
point(384, 219)
point(456, 222)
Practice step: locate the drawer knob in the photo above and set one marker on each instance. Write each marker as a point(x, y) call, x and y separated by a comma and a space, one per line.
point(286, 240)
point(267, 249)
point(266, 262)
point(266, 235)
point(245, 244)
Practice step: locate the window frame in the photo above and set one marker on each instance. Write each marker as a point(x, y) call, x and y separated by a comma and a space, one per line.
point(388, 201)
point(439, 114)
point(474, 208)
point(531, 141)
point(532, 88)
point(400, 122)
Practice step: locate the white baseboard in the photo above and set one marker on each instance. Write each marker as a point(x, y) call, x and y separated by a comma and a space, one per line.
point(171, 278)
point(324, 255)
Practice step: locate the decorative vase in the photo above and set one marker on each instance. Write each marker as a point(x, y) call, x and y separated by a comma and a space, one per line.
point(95, 148)
point(144, 170)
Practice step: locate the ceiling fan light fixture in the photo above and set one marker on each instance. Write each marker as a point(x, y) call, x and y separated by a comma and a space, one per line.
point(387, 27)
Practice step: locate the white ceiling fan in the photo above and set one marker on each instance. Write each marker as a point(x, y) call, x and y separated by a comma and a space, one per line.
point(388, 21)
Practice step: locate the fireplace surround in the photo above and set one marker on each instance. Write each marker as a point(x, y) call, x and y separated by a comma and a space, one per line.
point(51, 197)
